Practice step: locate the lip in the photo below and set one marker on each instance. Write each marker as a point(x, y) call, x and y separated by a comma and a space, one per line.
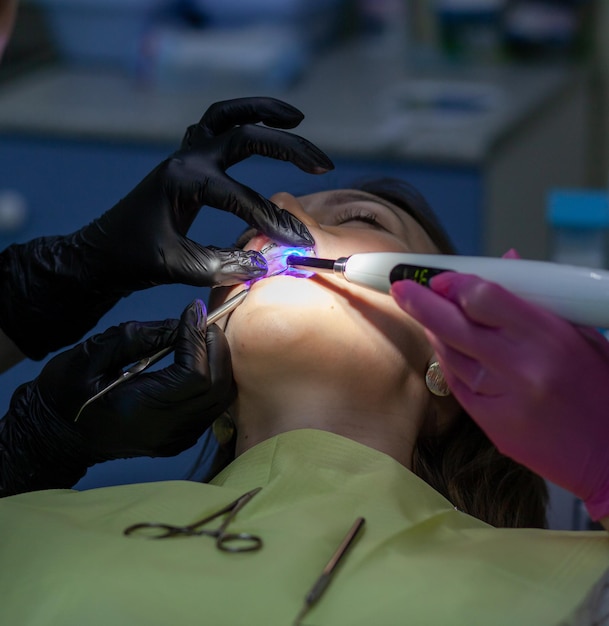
point(258, 242)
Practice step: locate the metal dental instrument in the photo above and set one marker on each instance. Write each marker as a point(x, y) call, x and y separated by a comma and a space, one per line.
point(144, 364)
point(329, 570)
point(227, 542)
point(578, 294)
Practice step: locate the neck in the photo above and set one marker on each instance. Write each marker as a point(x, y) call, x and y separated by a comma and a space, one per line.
point(389, 427)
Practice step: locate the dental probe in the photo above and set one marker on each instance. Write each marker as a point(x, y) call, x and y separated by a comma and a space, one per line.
point(578, 294)
point(147, 362)
point(329, 570)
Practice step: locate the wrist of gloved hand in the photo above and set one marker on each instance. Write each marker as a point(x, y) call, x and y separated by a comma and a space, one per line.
point(48, 299)
point(38, 453)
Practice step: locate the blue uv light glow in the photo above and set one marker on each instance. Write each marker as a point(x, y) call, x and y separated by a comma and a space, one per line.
point(276, 257)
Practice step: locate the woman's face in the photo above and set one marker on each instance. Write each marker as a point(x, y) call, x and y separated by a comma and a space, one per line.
point(323, 325)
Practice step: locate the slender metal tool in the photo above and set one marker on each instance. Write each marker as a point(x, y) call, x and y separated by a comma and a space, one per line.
point(137, 368)
point(144, 364)
point(329, 570)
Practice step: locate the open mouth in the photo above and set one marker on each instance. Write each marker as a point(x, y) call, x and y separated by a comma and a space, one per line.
point(276, 256)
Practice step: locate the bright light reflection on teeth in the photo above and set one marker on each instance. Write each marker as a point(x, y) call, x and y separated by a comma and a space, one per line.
point(276, 256)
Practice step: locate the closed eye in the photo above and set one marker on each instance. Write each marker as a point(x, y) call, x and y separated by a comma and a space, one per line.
point(352, 214)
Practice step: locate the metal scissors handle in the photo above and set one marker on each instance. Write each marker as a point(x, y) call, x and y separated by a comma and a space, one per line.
point(227, 542)
point(145, 363)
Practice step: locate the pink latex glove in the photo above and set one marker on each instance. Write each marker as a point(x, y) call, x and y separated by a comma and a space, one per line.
point(537, 385)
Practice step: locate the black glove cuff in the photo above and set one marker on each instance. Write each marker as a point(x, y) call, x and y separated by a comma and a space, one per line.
point(36, 452)
point(47, 301)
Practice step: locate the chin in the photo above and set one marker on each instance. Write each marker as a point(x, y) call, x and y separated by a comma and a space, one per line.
point(283, 316)
point(310, 324)
point(288, 292)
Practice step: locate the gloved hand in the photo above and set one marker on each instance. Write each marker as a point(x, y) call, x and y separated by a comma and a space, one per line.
point(157, 413)
point(68, 283)
point(537, 385)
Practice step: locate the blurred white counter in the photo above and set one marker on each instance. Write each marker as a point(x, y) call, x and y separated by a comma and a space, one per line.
point(355, 105)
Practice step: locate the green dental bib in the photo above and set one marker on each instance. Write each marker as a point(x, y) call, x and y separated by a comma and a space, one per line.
point(418, 561)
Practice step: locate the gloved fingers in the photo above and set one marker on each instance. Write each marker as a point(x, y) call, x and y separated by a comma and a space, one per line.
point(477, 377)
point(129, 342)
point(210, 266)
point(447, 321)
point(191, 349)
point(248, 140)
point(489, 304)
point(188, 417)
point(280, 225)
point(202, 360)
point(220, 366)
point(497, 415)
point(222, 116)
point(195, 410)
point(517, 321)
point(528, 351)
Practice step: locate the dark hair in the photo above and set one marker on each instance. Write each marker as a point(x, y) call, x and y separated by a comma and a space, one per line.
point(461, 462)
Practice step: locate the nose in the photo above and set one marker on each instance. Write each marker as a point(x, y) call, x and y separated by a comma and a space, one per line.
point(290, 203)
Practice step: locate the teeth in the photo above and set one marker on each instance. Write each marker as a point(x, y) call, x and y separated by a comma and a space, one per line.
point(269, 246)
point(276, 255)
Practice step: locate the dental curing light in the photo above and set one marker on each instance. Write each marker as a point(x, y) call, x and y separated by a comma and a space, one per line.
point(578, 294)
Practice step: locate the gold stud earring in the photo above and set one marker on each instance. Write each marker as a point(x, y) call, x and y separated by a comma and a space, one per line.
point(223, 429)
point(435, 381)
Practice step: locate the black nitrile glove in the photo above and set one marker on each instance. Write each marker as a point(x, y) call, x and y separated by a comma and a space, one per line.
point(156, 413)
point(67, 283)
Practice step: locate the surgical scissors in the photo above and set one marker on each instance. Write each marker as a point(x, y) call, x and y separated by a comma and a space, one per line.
point(227, 542)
